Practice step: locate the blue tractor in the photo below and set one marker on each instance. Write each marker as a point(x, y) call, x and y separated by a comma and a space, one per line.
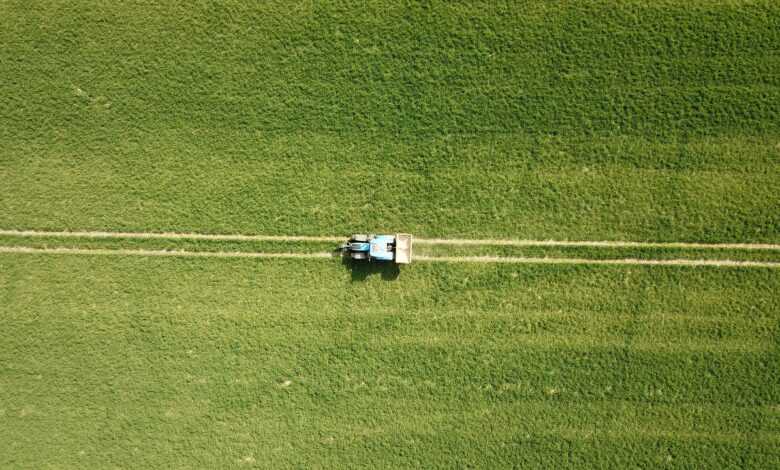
point(397, 248)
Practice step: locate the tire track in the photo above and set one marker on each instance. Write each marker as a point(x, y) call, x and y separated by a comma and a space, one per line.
point(721, 263)
point(724, 263)
point(596, 244)
point(170, 236)
point(165, 253)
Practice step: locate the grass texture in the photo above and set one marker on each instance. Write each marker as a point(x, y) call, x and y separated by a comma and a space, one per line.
point(224, 363)
point(602, 120)
point(628, 120)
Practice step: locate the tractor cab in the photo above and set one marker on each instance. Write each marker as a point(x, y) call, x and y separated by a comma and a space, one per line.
point(382, 248)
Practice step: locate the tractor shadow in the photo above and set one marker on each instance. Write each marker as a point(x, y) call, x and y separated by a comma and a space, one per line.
point(362, 269)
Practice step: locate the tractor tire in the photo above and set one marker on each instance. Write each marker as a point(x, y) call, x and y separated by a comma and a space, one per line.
point(359, 237)
point(359, 255)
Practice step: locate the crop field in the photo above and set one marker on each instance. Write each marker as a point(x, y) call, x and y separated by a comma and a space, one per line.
point(593, 187)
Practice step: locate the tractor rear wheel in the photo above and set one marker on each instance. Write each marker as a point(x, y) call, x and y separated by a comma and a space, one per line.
point(359, 255)
point(359, 237)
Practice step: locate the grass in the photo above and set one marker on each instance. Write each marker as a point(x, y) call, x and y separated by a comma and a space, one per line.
point(477, 187)
point(632, 120)
point(635, 120)
point(184, 363)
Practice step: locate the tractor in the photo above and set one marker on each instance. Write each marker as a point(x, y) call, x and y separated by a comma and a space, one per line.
point(382, 248)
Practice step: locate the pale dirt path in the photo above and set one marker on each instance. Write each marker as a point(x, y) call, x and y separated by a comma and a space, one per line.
point(722, 263)
point(596, 244)
point(170, 236)
point(177, 253)
point(420, 241)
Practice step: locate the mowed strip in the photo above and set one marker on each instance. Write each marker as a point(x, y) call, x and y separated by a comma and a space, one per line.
point(422, 241)
point(624, 261)
point(597, 244)
point(143, 252)
point(170, 236)
point(723, 263)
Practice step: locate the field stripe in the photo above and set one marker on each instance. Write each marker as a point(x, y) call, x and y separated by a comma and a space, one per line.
point(620, 261)
point(763, 437)
point(444, 259)
point(584, 342)
point(596, 244)
point(172, 236)
point(422, 241)
point(176, 253)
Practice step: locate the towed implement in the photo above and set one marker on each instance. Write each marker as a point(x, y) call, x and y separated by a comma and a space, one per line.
point(383, 248)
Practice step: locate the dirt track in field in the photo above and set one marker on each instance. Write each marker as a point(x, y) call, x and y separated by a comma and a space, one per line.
point(170, 236)
point(169, 253)
point(723, 263)
point(597, 244)
point(421, 241)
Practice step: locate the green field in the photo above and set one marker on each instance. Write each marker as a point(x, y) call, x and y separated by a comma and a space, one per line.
point(615, 120)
